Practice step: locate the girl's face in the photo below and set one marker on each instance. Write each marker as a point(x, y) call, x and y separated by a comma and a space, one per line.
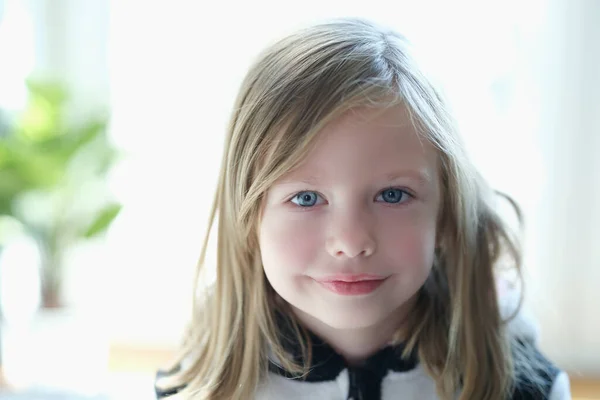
point(348, 237)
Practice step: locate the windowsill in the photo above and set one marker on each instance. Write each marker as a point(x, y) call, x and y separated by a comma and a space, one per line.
point(138, 359)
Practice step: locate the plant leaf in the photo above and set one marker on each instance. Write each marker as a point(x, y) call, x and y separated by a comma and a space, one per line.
point(103, 220)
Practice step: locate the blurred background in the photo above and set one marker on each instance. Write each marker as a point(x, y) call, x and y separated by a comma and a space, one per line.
point(112, 118)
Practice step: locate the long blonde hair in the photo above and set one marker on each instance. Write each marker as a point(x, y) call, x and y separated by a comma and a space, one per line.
point(294, 88)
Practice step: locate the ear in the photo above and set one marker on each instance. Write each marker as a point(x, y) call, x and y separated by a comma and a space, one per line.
point(523, 325)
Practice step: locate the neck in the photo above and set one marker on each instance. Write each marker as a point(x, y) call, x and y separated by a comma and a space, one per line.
point(355, 345)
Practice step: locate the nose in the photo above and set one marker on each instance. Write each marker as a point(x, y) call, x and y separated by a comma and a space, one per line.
point(351, 235)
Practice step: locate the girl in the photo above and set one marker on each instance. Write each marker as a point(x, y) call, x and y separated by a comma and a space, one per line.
point(357, 245)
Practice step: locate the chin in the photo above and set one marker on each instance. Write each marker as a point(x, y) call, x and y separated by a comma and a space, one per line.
point(352, 318)
point(348, 324)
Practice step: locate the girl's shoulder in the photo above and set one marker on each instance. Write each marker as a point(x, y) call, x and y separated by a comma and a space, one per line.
point(556, 388)
point(536, 377)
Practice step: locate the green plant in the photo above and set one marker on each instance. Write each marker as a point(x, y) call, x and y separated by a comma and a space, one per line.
point(53, 178)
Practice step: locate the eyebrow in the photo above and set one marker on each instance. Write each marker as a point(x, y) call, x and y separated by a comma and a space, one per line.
point(312, 180)
point(421, 177)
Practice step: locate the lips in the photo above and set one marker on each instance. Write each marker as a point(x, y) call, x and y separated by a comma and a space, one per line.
point(352, 285)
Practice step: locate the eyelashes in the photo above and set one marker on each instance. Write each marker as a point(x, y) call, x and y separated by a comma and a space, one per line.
point(309, 199)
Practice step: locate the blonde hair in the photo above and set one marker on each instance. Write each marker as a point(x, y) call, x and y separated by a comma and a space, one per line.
point(295, 87)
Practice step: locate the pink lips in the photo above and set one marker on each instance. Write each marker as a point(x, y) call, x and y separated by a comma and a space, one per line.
point(349, 285)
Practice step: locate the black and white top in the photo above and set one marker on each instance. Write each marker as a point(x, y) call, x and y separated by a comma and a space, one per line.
point(385, 376)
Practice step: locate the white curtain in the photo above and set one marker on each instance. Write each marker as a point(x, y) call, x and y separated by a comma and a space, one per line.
point(565, 277)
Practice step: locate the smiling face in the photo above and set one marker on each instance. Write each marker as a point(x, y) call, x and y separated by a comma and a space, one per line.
point(362, 206)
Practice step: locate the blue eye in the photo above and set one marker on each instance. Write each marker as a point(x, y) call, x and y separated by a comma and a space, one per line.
point(392, 195)
point(308, 199)
point(305, 199)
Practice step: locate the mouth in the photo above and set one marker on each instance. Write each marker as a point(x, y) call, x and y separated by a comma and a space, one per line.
point(352, 285)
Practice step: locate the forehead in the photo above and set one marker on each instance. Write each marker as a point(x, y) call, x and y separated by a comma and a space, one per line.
point(366, 141)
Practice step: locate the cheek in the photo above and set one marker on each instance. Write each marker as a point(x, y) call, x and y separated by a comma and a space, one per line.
point(409, 241)
point(288, 244)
